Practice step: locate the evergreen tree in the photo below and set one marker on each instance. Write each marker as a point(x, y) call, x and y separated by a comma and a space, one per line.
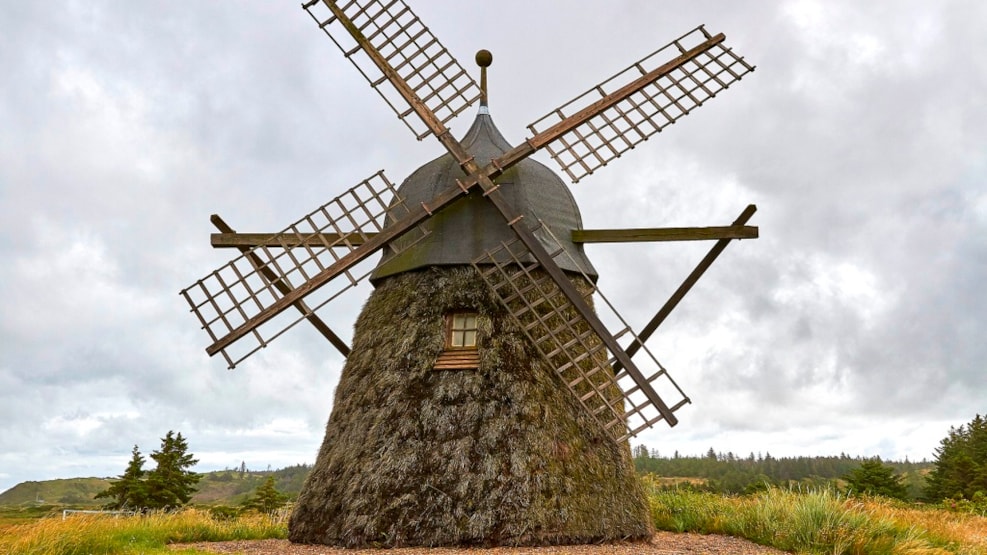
point(171, 484)
point(267, 498)
point(130, 490)
point(872, 477)
point(961, 463)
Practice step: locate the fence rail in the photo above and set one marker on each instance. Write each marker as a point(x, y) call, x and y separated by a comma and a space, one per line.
point(67, 512)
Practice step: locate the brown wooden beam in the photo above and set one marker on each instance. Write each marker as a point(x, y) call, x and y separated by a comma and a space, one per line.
point(680, 293)
point(663, 234)
point(233, 240)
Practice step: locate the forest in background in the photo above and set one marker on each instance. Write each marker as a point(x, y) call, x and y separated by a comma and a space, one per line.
point(731, 473)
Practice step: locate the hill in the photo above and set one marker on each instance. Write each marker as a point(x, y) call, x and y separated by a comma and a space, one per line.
point(223, 487)
point(70, 491)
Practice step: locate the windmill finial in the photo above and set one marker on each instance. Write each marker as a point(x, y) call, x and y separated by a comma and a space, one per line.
point(483, 59)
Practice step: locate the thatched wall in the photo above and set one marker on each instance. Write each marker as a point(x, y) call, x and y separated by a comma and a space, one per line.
point(501, 455)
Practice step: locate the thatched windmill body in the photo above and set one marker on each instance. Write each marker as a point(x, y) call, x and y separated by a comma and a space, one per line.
point(483, 401)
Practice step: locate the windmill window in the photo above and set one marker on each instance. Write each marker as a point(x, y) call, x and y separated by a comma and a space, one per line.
point(460, 352)
point(461, 331)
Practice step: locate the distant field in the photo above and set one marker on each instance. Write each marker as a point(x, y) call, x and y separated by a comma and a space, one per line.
point(667, 481)
point(10, 516)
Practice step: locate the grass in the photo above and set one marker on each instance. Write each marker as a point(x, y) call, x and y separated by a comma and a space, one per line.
point(821, 522)
point(104, 534)
point(815, 522)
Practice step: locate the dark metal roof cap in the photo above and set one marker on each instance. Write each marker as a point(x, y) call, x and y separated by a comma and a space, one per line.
point(469, 227)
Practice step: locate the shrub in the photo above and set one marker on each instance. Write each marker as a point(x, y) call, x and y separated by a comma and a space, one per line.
point(224, 513)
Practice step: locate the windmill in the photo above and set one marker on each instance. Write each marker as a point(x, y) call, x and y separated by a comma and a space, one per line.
point(484, 400)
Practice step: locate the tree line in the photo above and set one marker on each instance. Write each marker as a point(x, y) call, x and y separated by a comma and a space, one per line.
point(729, 473)
point(958, 471)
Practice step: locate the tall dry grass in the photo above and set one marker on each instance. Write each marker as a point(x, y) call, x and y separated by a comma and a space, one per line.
point(819, 521)
point(147, 534)
point(822, 522)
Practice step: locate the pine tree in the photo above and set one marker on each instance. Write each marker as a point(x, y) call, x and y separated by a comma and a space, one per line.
point(873, 477)
point(961, 463)
point(130, 491)
point(267, 498)
point(171, 484)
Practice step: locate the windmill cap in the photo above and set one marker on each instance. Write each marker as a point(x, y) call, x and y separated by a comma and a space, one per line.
point(471, 226)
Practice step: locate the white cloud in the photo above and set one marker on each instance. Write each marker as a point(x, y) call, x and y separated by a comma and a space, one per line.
point(69, 280)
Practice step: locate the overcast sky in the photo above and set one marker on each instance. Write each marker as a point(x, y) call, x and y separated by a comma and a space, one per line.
point(856, 323)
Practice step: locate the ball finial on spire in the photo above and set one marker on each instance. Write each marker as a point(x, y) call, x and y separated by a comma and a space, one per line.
point(484, 58)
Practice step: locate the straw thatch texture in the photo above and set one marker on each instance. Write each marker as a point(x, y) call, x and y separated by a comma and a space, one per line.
point(500, 455)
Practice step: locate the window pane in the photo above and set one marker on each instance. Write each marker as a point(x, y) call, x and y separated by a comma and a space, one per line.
point(462, 329)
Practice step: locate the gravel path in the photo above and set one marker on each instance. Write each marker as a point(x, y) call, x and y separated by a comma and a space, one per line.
point(664, 543)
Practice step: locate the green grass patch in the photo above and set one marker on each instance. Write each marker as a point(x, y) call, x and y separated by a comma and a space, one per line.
point(820, 521)
point(147, 534)
point(10, 516)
